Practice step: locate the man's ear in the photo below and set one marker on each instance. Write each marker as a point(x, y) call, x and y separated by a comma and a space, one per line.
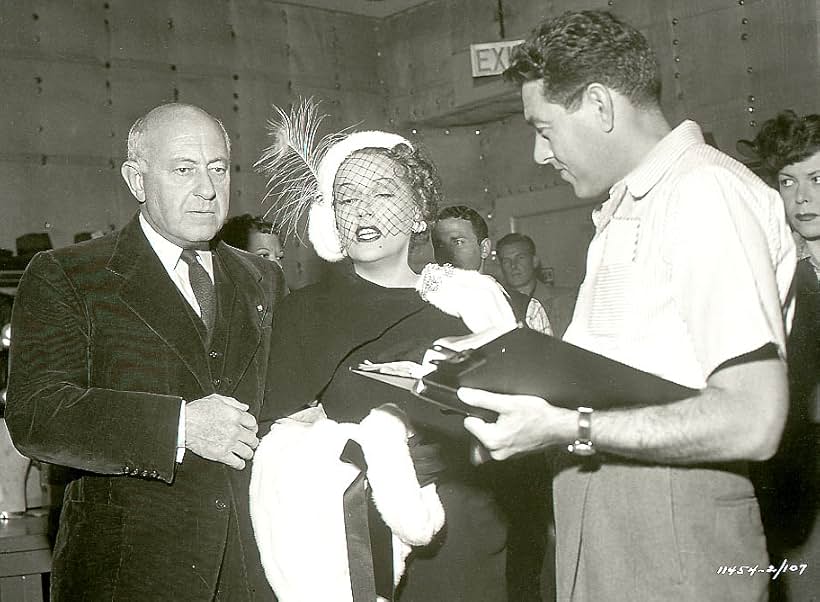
point(132, 174)
point(486, 246)
point(601, 104)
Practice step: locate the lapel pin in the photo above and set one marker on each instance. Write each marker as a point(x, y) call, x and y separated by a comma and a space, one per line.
point(259, 308)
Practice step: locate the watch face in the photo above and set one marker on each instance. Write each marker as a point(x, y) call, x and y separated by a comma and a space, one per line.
point(582, 448)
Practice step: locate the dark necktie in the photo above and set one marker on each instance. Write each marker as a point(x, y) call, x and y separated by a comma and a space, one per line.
point(202, 286)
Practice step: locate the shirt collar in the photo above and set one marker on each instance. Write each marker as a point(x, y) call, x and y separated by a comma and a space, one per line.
point(804, 253)
point(661, 158)
point(168, 252)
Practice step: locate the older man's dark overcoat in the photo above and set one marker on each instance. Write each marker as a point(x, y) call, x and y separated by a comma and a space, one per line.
point(105, 348)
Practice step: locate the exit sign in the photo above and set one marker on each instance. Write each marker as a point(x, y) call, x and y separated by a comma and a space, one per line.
point(492, 58)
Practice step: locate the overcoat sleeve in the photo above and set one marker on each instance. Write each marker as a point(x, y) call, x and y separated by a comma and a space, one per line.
point(53, 413)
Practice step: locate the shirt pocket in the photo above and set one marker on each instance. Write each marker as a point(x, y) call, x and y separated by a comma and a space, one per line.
point(614, 292)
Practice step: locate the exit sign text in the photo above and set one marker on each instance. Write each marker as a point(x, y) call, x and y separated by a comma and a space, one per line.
point(492, 58)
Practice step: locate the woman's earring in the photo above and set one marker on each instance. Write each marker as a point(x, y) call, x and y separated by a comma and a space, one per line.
point(419, 226)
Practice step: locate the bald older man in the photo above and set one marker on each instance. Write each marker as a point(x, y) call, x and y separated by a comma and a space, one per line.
point(139, 359)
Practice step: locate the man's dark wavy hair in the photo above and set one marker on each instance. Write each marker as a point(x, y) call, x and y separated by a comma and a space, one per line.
point(469, 214)
point(580, 48)
point(236, 231)
point(513, 238)
point(786, 139)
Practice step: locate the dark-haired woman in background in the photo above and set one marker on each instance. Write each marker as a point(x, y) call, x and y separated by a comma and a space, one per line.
point(256, 235)
point(789, 147)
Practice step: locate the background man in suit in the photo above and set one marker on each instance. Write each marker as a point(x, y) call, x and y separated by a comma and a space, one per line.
point(520, 268)
point(461, 237)
point(139, 359)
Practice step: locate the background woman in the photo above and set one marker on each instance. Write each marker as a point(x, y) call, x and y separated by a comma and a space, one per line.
point(789, 147)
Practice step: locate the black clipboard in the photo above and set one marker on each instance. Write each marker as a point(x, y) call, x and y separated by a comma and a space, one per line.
point(525, 362)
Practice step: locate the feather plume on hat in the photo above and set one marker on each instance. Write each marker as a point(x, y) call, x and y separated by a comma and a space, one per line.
point(291, 163)
point(301, 172)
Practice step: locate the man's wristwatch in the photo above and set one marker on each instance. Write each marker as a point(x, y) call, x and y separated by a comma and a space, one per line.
point(583, 444)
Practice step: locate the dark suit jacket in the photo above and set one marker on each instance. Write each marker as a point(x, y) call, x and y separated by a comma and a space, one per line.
point(105, 348)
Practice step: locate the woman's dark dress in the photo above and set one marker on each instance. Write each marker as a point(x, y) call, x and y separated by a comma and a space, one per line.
point(789, 483)
point(324, 329)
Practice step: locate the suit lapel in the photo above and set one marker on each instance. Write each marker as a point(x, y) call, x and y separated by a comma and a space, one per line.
point(242, 308)
point(149, 292)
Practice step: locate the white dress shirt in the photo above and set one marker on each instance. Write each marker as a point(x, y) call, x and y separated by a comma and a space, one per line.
point(169, 255)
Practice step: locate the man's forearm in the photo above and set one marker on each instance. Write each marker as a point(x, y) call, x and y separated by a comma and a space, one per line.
point(739, 416)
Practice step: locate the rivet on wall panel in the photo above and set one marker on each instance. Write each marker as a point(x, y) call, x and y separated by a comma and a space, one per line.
point(43, 160)
point(675, 21)
point(106, 5)
point(486, 190)
point(235, 77)
point(478, 132)
point(414, 131)
point(236, 95)
point(750, 109)
point(744, 36)
point(753, 123)
point(446, 132)
point(745, 21)
point(749, 69)
point(170, 23)
point(237, 168)
point(751, 98)
point(35, 16)
point(107, 64)
point(173, 67)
